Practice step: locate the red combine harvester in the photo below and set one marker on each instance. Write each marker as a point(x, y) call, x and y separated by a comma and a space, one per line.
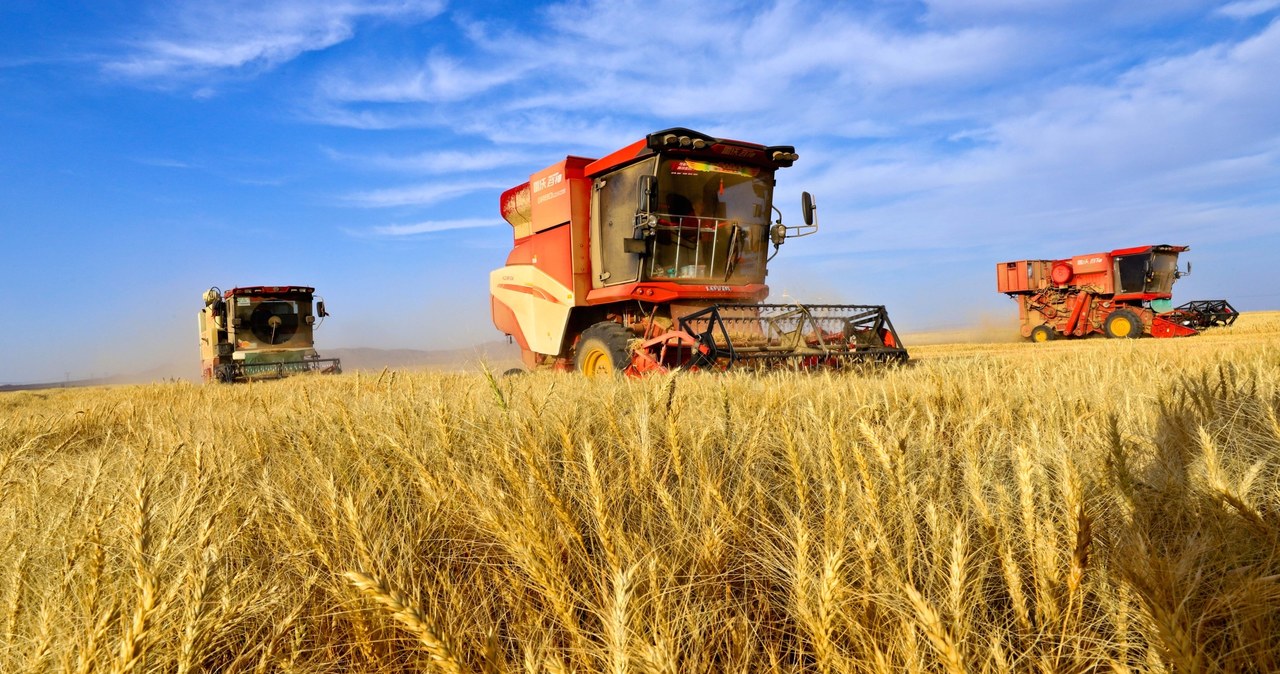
point(1123, 293)
point(653, 258)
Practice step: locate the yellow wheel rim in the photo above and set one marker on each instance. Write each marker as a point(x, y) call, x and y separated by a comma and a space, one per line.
point(597, 363)
point(1040, 336)
point(1120, 326)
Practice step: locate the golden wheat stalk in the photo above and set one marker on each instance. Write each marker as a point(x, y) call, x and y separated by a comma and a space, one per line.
point(442, 655)
point(931, 624)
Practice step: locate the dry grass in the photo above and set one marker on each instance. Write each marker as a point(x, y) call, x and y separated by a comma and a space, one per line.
point(1069, 507)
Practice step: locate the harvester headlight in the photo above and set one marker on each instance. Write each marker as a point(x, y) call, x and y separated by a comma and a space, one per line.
point(685, 141)
point(670, 139)
point(698, 143)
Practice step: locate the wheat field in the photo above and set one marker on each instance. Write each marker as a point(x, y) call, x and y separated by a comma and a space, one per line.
point(1109, 506)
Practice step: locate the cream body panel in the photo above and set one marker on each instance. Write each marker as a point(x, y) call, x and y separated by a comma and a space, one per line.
point(541, 304)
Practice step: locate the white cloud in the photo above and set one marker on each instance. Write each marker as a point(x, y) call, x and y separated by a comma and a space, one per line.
point(1170, 151)
point(440, 79)
point(790, 67)
point(430, 226)
point(195, 38)
point(163, 162)
point(983, 131)
point(419, 195)
point(1059, 11)
point(438, 162)
point(1247, 9)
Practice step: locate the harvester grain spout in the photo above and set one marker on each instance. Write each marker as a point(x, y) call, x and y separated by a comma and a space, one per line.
point(654, 257)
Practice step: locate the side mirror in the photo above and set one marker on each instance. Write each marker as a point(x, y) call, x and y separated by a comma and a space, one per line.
point(807, 207)
point(647, 199)
point(320, 309)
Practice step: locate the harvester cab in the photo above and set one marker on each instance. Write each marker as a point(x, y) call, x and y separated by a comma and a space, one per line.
point(1123, 293)
point(654, 257)
point(261, 332)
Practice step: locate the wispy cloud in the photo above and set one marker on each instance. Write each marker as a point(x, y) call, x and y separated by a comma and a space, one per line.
point(163, 162)
point(785, 66)
point(193, 38)
point(1160, 152)
point(1246, 9)
point(912, 124)
point(441, 78)
point(436, 162)
point(424, 194)
point(426, 227)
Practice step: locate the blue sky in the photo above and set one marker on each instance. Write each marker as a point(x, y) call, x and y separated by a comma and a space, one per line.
point(151, 150)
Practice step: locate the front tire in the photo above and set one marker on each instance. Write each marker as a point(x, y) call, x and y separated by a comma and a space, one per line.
point(602, 350)
point(1042, 333)
point(1123, 324)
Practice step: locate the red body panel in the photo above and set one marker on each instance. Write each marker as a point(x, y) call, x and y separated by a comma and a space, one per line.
point(618, 158)
point(505, 320)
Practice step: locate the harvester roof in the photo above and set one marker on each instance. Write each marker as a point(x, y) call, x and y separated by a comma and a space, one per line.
point(516, 203)
point(682, 140)
point(269, 290)
point(1157, 248)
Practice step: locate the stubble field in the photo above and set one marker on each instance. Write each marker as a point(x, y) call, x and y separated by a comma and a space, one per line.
point(1067, 507)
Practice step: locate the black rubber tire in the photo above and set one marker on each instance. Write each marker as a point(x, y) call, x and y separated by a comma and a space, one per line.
point(603, 348)
point(515, 371)
point(1115, 325)
point(1043, 333)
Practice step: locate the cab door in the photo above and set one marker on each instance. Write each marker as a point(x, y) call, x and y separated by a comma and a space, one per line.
point(614, 197)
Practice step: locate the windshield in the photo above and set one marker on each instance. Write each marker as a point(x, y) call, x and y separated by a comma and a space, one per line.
point(272, 321)
point(1164, 267)
point(1150, 273)
point(712, 222)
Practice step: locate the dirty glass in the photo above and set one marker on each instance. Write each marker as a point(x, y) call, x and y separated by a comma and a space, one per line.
point(618, 196)
point(271, 321)
point(1131, 273)
point(1164, 268)
point(712, 222)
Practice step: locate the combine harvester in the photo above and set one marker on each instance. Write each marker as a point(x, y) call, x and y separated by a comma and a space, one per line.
point(1125, 293)
point(653, 258)
point(260, 332)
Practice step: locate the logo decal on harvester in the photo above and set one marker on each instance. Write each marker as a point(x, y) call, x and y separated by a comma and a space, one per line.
point(548, 181)
point(719, 289)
